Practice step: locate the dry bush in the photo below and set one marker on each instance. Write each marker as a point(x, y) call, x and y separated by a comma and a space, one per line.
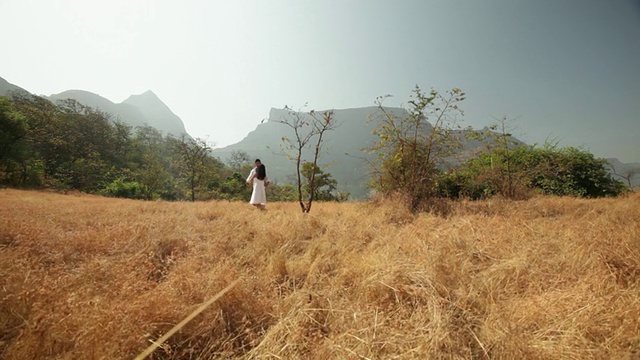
point(84, 277)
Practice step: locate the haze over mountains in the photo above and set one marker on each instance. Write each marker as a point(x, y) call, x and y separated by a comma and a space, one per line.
point(342, 156)
point(137, 110)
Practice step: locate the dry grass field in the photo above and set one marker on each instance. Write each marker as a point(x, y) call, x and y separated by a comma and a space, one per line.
point(85, 277)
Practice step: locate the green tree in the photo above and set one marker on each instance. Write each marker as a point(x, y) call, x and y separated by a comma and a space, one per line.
point(38, 156)
point(13, 126)
point(325, 185)
point(284, 192)
point(548, 170)
point(13, 157)
point(66, 145)
point(89, 151)
point(193, 162)
point(125, 189)
point(497, 138)
point(150, 163)
point(571, 171)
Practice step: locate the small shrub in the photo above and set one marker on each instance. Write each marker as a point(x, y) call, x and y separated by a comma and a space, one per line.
point(125, 189)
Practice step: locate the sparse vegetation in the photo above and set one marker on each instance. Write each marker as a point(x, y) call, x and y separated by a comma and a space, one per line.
point(309, 135)
point(87, 277)
point(411, 151)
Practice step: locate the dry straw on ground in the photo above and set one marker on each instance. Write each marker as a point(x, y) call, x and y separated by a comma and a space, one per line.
point(84, 277)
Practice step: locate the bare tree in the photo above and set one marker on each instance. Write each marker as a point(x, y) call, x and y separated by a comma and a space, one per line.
point(627, 174)
point(309, 130)
point(238, 159)
point(499, 138)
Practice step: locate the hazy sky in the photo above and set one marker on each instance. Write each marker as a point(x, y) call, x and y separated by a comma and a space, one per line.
point(566, 69)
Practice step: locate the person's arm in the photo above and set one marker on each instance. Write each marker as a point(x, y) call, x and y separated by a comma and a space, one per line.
point(252, 175)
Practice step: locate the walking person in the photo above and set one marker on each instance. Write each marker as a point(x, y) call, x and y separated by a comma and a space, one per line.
point(258, 178)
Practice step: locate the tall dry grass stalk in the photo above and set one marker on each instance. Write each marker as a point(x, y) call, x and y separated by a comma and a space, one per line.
point(84, 277)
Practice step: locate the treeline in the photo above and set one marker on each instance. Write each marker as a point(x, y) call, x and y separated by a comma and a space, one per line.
point(67, 145)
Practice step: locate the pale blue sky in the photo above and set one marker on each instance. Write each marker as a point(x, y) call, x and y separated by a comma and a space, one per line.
point(567, 69)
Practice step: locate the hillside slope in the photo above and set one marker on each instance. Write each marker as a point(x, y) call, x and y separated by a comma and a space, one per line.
point(7, 88)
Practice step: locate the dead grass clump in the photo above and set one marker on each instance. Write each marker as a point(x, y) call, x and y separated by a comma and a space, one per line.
point(626, 273)
point(394, 209)
point(164, 255)
point(490, 207)
point(16, 303)
point(438, 206)
point(231, 327)
point(7, 237)
point(401, 209)
point(277, 268)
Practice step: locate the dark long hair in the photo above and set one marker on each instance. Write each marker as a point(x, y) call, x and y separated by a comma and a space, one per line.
point(262, 172)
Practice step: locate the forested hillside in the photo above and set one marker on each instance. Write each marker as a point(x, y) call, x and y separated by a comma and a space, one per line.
point(68, 146)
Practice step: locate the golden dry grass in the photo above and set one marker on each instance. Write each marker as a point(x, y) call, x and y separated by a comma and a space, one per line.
point(84, 277)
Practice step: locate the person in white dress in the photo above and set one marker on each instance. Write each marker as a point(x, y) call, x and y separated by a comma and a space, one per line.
point(258, 178)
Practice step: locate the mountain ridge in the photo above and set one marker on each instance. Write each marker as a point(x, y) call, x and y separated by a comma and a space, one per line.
point(137, 110)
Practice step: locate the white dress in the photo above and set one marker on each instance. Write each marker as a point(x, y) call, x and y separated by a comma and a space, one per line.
point(259, 195)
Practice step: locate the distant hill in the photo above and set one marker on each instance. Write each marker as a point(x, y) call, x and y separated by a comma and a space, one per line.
point(156, 113)
point(126, 113)
point(137, 110)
